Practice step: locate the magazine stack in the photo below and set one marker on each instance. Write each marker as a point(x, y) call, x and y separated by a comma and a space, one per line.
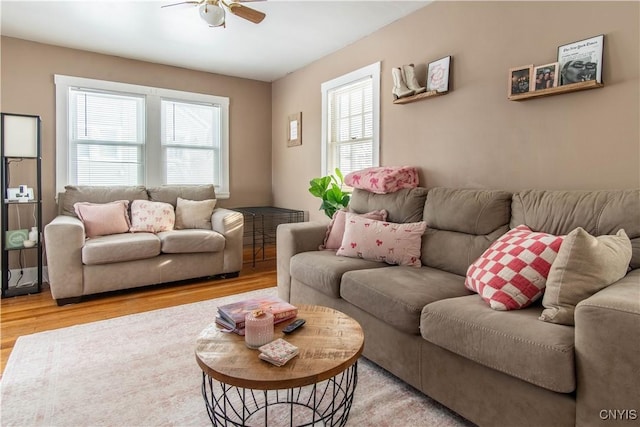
point(231, 316)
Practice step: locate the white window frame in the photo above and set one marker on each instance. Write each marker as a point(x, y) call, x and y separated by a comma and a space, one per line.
point(372, 71)
point(153, 157)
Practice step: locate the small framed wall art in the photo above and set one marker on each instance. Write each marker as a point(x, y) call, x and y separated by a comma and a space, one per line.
point(438, 75)
point(520, 79)
point(294, 130)
point(546, 76)
point(581, 61)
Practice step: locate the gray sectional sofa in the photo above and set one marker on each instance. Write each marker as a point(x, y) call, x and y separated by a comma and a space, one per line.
point(496, 368)
point(79, 266)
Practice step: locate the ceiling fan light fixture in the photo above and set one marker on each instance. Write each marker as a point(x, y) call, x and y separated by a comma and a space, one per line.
point(212, 14)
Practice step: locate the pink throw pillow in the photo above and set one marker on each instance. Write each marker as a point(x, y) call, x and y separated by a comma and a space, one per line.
point(101, 219)
point(382, 241)
point(151, 217)
point(382, 180)
point(335, 230)
point(512, 273)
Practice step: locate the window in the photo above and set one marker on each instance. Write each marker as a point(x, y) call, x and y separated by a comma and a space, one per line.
point(350, 121)
point(120, 134)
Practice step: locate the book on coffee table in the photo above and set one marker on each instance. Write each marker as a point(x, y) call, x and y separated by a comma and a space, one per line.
point(231, 316)
point(240, 331)
point(278, 352)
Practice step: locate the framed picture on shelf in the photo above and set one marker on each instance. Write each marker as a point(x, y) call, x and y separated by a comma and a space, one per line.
point(546, 76)
point(581, 61)
point(294, 130)
point(438, 75)
point(520, 79)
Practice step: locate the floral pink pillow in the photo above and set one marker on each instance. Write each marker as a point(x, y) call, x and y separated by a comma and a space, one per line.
point(382, 241)
point(335, 230)
point(151, 217)
point(101, 219)
point(382, 180)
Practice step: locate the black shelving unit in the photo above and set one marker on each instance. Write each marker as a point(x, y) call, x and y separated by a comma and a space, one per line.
point(25, 209)
point(261, 222)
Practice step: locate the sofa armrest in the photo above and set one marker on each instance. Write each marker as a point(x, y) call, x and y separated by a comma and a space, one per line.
point(231, 225)
point(64, 238)
point(291, 239)
point(607, 343)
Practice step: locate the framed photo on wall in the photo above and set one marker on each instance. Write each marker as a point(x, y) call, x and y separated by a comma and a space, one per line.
point(294, 130)
point(438, 75)
point(546, 76)
point(520, 79)
point(581, 61)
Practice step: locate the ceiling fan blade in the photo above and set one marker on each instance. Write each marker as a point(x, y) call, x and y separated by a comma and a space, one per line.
point(247, 13)
point(182, 2)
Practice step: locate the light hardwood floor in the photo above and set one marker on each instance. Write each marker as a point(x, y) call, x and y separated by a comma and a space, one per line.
point(29, 314)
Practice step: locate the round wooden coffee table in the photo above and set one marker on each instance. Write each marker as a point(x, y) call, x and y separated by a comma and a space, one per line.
point(314, 388)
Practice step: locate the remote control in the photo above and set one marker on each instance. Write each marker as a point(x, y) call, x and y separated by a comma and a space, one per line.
point(293, 326)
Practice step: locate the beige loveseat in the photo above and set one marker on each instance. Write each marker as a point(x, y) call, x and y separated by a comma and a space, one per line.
point(79, 266)
point(496, 368)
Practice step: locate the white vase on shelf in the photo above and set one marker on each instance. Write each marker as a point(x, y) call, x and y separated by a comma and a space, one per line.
point(33, 234)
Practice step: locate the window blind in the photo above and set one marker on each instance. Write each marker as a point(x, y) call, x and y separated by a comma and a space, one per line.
point(351, 126)
point(106, 138)
point(190, 141)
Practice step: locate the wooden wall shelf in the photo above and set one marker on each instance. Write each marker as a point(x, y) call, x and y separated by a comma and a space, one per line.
point(574, 87)
point(420, 96)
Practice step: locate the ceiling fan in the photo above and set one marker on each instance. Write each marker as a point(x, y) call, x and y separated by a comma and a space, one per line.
point(213, 12)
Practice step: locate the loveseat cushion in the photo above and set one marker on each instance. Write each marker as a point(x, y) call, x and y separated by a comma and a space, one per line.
point(461, 224)
point(170, 193)
point(513, 342)
point(405, 205)
point(189, 241)
point(97, 194)
point(323, 270)
point(397, 295)
point(120, 247)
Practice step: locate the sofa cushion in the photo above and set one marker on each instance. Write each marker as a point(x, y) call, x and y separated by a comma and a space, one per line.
point(585, 265)
point(513, 272)
point(194, 213)
point(323, 270)
point(461, 224)
point(397, 295)
point(188, 241)
point(170, 193)
point(384, 179)
point(382, 241)
point(335, 229)
point(598, 212)
point(102, 219)
point(513, 342)
point(151, 217)
point(402, 206)
point(97, 194)
point(120, 247)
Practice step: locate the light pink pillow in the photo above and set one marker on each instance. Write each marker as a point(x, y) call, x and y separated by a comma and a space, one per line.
point(101, 219)
point(151, 217)
point(382, 241)
point(335, 230)
point(382, 180)
point(512, 273)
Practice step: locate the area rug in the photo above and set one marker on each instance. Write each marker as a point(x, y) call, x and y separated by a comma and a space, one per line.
point(140, 370)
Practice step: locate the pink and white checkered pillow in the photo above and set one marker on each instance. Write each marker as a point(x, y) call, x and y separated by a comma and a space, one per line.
point(513, 272)
point(382, 180)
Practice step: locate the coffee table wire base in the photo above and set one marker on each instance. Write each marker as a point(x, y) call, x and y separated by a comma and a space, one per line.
point(324, 404)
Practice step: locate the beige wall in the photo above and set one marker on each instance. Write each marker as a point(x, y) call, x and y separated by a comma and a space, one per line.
point(474, 136)
point(27, 87)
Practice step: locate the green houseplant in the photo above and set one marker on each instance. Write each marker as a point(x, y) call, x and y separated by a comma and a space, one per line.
point(329, 189)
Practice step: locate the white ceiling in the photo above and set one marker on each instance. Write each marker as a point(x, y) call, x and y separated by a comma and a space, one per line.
point(294, 33)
